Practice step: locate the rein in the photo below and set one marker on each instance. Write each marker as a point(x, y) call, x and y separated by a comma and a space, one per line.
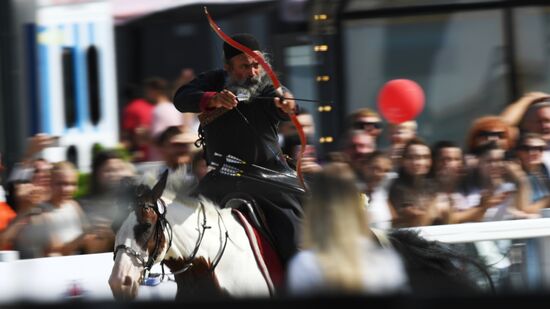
point(189, 261)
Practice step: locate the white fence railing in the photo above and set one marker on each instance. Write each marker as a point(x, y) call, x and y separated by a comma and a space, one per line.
point(54, 279)
point(471, 232)
point(57, 278)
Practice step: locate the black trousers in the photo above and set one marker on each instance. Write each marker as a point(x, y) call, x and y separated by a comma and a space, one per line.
point(282, 210)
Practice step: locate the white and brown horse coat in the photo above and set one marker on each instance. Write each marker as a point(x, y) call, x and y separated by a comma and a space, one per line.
point(237, 273)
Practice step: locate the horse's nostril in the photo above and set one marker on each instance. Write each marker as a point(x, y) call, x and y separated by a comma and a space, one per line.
point(127, 281)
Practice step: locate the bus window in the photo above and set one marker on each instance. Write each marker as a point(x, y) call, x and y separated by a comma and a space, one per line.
point(93, 84)
point(72, 155)
point(69, 84)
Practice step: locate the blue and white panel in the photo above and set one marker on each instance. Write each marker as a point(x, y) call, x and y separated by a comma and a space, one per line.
point(69, 38)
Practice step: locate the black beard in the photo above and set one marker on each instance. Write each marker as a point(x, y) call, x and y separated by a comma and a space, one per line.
point(247, 89)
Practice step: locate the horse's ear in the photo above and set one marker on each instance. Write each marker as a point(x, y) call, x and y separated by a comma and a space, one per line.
point(159, 187)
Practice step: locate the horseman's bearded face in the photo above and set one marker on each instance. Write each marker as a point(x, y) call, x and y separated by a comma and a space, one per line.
point(246, 78)
point(244, 70)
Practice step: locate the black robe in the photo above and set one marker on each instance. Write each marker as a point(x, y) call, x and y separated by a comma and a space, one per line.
point(249, 132)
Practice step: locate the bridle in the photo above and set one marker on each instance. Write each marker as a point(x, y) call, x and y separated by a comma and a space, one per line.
point(160, 227)
point(188, 262)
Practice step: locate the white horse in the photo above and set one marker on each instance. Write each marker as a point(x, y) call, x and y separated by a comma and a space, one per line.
point(205, 247)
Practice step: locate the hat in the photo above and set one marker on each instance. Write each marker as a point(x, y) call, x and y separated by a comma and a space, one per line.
point(243, 38)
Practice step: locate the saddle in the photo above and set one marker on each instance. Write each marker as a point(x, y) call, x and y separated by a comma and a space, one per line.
point(244, 205)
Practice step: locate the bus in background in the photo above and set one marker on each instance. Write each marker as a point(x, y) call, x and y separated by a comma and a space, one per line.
point(76, 96)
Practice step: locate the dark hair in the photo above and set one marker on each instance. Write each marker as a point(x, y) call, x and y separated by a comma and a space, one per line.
point(158, 84)
point(167, 134)
point(99, 159)
point(375, 155)
point(443, 144)
point(436, 266)
point(131, 92)
point(407, 180)
point(11, 186)
point(436, 153)
point(412, 142)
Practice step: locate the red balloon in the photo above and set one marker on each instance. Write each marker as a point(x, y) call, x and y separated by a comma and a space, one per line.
point(400, 100)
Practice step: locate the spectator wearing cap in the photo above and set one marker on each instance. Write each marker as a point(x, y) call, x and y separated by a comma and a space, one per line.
point(176, 148)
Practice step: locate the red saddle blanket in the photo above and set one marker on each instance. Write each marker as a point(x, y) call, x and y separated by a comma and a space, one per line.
point(266, 257)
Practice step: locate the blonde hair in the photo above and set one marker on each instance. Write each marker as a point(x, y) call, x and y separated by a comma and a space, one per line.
point(334, 224)
point(360, 113)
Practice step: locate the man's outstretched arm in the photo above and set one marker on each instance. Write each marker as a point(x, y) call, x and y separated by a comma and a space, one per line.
point(197, 95)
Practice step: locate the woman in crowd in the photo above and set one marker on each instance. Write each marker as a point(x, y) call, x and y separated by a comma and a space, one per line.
point(499, 188)
point(529, 152)
point(487, 129)
point(340, 253)
point(100, 204)
point(108, 170)
point(29, 186)
point(413, 195)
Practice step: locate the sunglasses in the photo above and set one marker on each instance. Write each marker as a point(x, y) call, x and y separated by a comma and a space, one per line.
point(499, 134)
point(362, 125)
point(528, 148)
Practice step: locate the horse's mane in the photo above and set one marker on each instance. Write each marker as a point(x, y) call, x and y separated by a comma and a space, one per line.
point(132, 190)
point(433, 266)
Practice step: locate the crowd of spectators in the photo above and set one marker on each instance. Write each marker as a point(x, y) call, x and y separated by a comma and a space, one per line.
point(51, 208)
point(500, 173)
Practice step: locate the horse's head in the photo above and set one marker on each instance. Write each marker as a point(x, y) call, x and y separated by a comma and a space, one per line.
point(141, 241)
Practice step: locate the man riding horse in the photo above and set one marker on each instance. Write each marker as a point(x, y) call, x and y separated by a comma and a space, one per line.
point(241, 109)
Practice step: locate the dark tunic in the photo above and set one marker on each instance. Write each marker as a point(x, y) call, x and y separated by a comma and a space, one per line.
point(254, 140)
